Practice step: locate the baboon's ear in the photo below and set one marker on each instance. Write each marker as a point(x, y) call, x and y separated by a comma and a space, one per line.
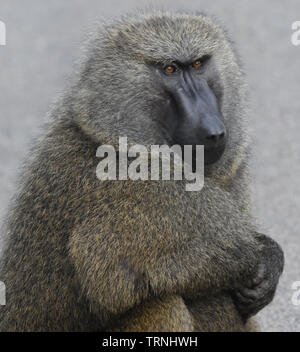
point(123, 41)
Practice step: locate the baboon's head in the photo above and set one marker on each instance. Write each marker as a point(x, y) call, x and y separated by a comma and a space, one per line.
point(163, 79)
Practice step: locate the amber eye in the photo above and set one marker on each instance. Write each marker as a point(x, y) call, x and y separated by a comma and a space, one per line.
point(169, 69)
point(197, 64)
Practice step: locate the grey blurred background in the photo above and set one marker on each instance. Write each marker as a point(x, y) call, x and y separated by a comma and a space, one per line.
point(43, 46)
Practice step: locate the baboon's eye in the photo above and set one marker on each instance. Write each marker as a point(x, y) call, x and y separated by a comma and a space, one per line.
point(197, 64)
point(169, 69)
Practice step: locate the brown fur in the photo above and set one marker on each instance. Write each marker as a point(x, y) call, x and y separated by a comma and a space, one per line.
point(85, 255)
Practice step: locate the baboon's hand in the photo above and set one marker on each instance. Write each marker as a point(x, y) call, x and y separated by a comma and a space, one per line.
point(260, 289)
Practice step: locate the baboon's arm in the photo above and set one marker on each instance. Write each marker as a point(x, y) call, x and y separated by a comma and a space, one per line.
point(129, 258)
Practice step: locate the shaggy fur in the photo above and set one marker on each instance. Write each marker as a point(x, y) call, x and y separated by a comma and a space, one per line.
point(86, 255)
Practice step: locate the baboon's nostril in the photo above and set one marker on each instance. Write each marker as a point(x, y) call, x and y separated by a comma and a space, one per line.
point(214, 138)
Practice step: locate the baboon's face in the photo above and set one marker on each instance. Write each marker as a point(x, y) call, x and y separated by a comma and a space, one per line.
point(165, 79)
point(190, 109)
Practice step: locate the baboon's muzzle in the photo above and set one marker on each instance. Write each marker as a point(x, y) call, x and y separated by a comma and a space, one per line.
point(199, 120)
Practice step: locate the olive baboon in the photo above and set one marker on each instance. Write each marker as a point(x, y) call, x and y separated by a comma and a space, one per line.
point(84, 254)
